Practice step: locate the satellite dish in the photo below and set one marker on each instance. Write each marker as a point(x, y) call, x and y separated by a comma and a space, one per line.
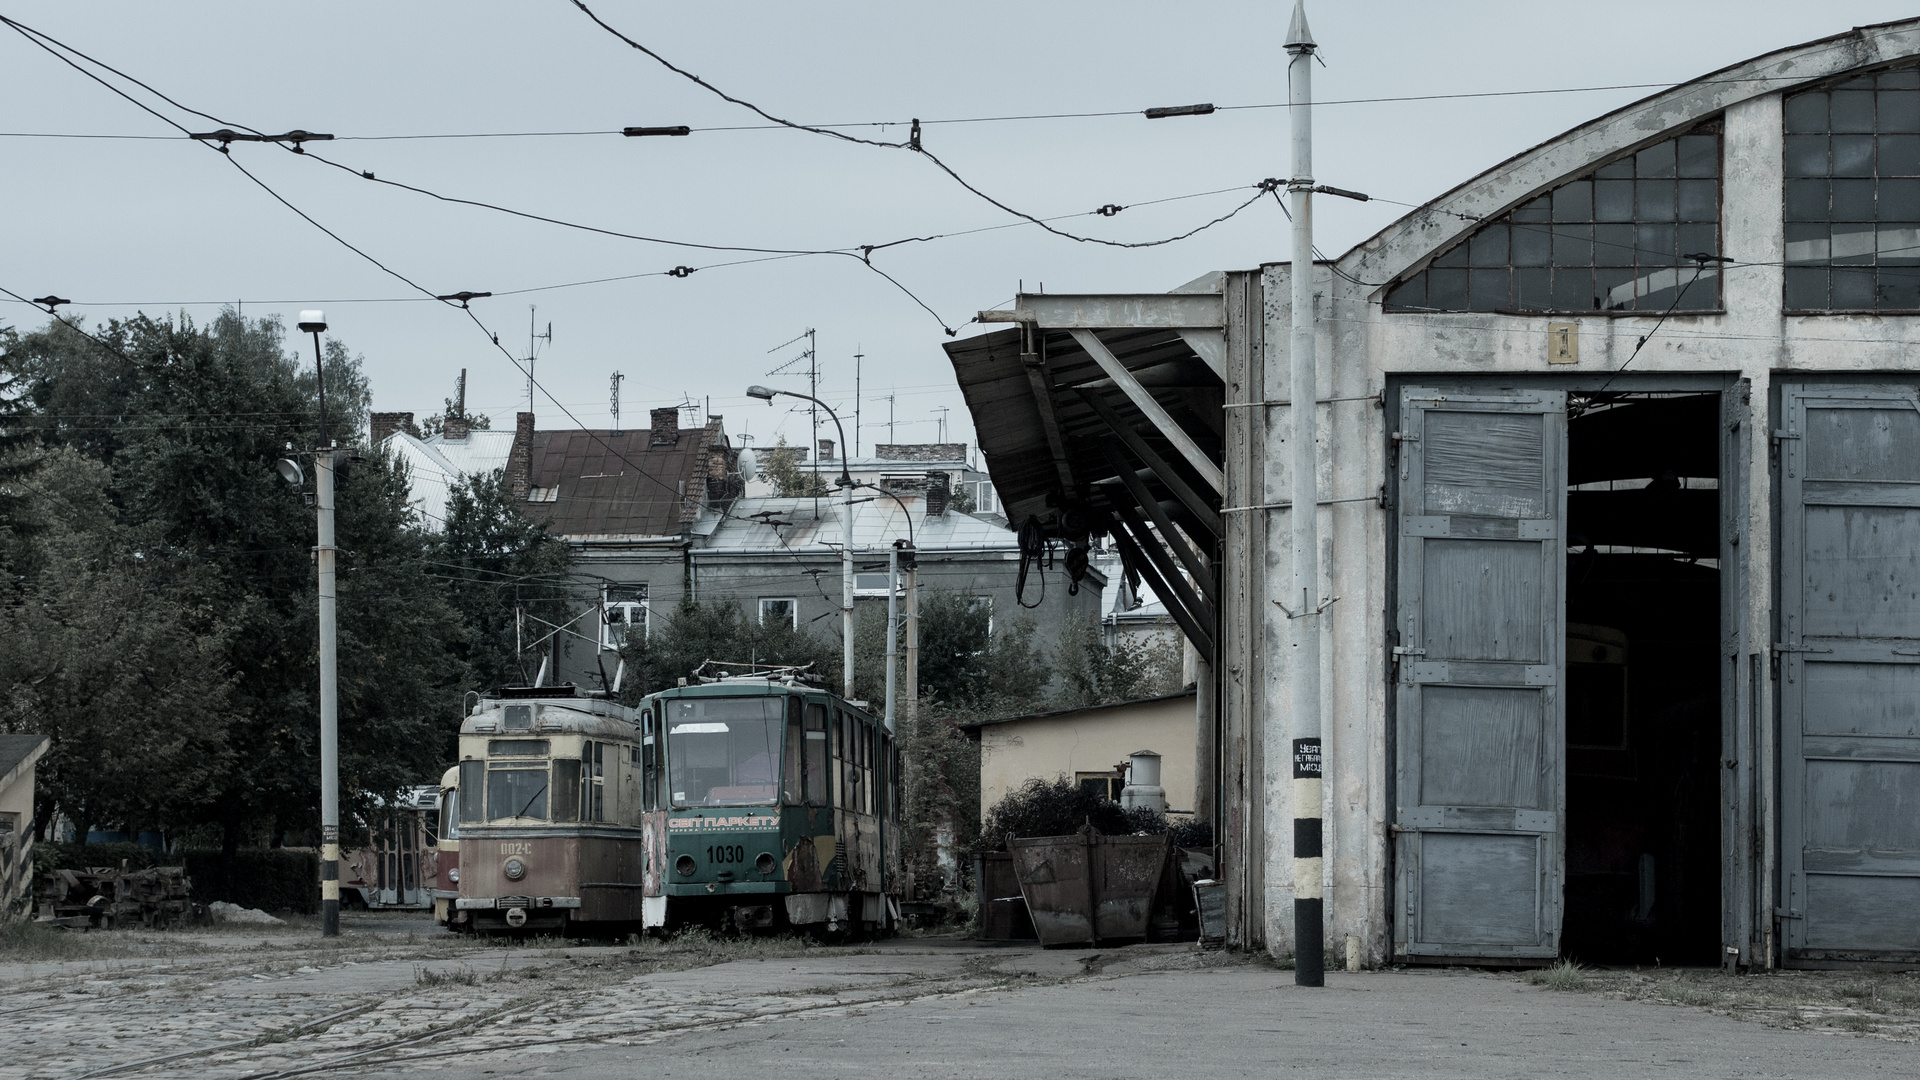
point(749, 465)
point(290, 471)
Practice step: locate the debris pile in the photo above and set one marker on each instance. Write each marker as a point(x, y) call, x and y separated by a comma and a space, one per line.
point(104, 897)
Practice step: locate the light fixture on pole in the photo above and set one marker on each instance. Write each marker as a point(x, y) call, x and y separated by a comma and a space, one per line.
point(845, 483)
point(315, 323)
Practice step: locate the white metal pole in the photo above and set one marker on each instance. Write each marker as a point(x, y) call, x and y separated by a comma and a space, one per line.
point(329, 704)
point(846, 594)
point(1303, 671)
point(893, 626)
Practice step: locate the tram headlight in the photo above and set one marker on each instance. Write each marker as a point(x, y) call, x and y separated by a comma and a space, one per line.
point(515, 869)
point(685, 865)
point(764, 863)
point(453, 875)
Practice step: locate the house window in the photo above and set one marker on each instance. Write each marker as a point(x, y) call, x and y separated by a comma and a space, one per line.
point(985, 499)
point(1853, 195)
point(1101, 785)
point(780, 610)
point(1619, 238)
point(623, 615)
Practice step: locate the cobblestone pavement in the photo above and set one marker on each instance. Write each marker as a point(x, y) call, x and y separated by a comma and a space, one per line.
point(389, 1004)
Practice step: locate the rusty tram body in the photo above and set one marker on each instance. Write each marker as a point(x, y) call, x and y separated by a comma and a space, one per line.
point(761, 802)
point(776, 803)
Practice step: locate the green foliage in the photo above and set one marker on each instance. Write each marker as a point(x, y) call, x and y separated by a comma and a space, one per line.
point(1060, 807)
point(435, 425)
point(160, 582)
point(271, 879)
point(493, 556)
point(780, 464)
point(720, 630)
point(1095, 673)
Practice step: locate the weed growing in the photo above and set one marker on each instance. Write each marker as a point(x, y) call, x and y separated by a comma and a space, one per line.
point(21, 940)
point(1564, 975)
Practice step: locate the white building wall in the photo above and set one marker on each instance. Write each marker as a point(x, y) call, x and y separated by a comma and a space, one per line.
point(1359, 348)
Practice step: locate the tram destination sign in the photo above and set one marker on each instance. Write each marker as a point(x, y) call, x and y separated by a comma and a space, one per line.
point(725, 823)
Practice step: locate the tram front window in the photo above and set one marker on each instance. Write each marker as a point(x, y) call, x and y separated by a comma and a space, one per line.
point(515, 793)
point(724, 751)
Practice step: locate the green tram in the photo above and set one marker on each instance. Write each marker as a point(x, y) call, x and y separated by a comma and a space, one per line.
point(775, 804)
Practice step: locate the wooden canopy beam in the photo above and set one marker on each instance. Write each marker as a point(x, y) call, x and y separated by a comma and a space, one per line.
point(1202, 511)
point(1155, 414)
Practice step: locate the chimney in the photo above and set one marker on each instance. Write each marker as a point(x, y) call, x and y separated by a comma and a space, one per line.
point(387, 424)
point(938, 492)
point(826, 449)
point(520, 458)
point(666, 426)
point(454, 428)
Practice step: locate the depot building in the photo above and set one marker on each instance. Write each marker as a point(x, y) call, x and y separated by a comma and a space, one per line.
point(1620, 527)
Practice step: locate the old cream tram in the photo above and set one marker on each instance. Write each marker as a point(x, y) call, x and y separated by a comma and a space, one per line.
point(551, 836)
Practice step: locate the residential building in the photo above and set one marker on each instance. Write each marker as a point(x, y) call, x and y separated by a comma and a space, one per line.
point(1619, 469)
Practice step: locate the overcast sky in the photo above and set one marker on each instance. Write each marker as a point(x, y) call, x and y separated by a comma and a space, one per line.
point(168, 225)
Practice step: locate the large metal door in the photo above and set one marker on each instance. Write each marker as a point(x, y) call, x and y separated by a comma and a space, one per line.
point(1480, 735)
point(1850, 673)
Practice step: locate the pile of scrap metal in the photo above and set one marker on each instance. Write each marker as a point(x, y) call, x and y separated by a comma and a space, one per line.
point(104, 897)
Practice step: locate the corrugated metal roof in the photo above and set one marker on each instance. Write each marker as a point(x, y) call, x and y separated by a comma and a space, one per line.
point(605, 484)
point(756, 525)
point(434, 464)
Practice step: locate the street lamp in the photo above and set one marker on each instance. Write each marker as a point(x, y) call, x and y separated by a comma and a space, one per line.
point(315, 322)
point(845, 484)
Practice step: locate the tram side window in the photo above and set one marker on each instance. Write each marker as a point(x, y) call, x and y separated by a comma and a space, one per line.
point(593, 762)
point(472, 788)
point(566, 789)
point(869, 795)
point(648, 756)
point(816, 752)
point(791, 771)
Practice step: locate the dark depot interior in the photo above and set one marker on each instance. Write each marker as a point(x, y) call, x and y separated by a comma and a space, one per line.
point(1643, 680)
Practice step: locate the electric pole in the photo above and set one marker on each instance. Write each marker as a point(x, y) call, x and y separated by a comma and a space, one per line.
point(858, 356)
point(315, 322)
point(1303, 670)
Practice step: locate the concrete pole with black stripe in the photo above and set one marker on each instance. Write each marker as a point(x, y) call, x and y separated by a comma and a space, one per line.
point(314, 322)
point(1303, 670)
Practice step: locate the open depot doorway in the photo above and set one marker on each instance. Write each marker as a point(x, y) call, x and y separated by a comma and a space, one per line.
point(1644, 596)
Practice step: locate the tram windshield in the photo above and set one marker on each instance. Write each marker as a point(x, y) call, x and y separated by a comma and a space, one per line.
point(724, 751)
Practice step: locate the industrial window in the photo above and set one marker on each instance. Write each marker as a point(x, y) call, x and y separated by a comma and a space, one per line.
point(1102, 785)
point(1853, 195)
point(779, 610)
point(1620, 238)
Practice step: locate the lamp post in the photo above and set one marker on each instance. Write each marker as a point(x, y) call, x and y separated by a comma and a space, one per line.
point(845, 483)
point(315, 322)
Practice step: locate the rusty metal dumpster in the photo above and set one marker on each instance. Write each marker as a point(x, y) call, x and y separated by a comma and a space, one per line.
point(1087, 888)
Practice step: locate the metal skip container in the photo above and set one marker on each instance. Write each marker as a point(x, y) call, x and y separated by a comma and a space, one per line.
point(1086, 888)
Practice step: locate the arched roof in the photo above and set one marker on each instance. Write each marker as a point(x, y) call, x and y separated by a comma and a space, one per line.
point(1420, 233)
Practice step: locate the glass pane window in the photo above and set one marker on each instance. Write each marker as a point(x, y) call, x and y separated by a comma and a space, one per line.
point(516, 793)
point(1621, 238)
point(1852, 164)
point(724, 751)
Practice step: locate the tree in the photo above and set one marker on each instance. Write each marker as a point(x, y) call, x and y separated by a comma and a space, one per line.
point(108, 655)
point(780, 464)
point(493, 558)
point(1095, 673)
point(719, 630)
point(435, 425)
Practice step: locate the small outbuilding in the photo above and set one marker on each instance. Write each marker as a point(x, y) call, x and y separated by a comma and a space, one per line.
point(18, 756)
point(1092, 745)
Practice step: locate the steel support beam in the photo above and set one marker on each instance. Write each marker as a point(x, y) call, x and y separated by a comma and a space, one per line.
point(1146, 403)
point(1200, 508)
point(1197, 632)
point(1115, 311)
point(1169, 535)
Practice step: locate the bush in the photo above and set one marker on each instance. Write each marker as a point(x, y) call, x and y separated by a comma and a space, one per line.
point(266, 878)
point(1060, 807)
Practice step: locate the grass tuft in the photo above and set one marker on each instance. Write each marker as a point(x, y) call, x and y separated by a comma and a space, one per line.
point(1564, 975)
point(21, 939)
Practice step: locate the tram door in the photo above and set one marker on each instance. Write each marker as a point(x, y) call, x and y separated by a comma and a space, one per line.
point(1480, 629)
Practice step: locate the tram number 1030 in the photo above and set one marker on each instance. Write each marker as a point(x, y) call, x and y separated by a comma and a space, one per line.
point(724, 854)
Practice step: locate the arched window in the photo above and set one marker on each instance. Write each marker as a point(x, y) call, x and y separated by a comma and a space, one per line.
point(1853, 195)
point(1618, 238)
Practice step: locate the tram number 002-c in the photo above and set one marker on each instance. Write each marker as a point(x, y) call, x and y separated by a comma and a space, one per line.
point(725, 854)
